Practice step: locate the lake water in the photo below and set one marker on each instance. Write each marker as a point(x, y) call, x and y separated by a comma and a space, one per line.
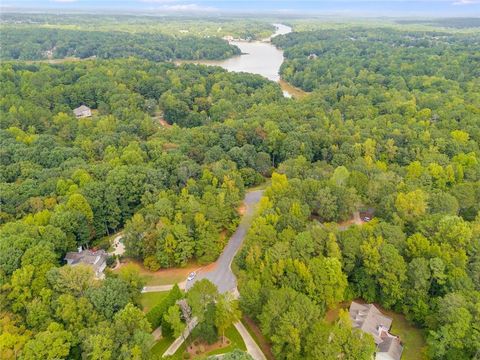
point(259, 57)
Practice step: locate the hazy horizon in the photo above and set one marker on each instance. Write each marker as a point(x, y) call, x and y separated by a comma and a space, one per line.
point(390, 8)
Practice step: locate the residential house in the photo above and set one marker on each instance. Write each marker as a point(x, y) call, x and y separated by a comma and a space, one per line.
point(369, 319)
point(97, 260)
point(82, 111)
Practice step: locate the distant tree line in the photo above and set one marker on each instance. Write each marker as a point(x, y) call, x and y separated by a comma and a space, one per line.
point(36, 43)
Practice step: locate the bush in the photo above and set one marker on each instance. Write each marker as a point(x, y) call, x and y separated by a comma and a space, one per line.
point(155, 315)
point(251, 177)
point(151, 263)
point(111, 260)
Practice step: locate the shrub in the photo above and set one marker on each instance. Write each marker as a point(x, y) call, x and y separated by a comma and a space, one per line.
point(155, 315)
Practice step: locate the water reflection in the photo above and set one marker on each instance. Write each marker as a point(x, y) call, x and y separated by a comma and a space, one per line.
point(259, 57)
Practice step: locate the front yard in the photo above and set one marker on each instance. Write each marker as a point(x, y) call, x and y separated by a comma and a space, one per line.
point(163, 276)
point(149, 300)
point(236, 342)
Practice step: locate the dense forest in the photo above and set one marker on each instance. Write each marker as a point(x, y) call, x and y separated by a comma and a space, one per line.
point(238, 27)
point(67, 182)
point(390, 127)
point(35, 43)
point(395, 132)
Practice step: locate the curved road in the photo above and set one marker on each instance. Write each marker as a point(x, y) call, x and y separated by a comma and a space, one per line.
point(222, 274)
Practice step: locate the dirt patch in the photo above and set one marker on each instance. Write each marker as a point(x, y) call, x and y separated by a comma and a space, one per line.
point(208, 268)
point(355, 220)
point(261, 340)
point(198, 348)
point(332, 314)
point(170, 146)
point(242, 209)
point(164, 123)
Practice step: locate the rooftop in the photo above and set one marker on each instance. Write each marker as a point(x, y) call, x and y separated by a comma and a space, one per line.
point(369, 319)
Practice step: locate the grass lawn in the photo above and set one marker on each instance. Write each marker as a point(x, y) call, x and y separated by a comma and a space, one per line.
point(163, 276)
point(160, 347)
point(413, 338)
point(236, 342)
point(149, 300)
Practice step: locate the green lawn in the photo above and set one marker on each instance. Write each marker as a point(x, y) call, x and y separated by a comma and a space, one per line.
point(149, 300)
point(153, 280)
point(236, 342)
point(413, 338)
point(163, 276)
point(160, 347)
point(231, 333)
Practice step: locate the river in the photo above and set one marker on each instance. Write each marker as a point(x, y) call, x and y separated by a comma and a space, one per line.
point(259, 57)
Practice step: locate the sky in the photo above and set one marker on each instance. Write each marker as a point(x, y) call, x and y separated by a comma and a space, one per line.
point(393, 8)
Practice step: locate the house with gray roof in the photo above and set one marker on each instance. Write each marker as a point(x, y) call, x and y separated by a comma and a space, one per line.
point(97, 260)
point(82, 111)
point(369, 319)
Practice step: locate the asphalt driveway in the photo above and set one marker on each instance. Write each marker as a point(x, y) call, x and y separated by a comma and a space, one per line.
point(222, 274)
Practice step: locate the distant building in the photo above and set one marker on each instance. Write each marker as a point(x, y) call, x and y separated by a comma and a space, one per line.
point(97, 260)
point(82, 111)
point(369, 319)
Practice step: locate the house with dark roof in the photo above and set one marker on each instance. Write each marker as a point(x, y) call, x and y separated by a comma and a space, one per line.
point(97, 260)
point(369, 319)
point(82, 111)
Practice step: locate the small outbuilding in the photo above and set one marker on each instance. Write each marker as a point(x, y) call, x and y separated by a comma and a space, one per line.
point(82, 111)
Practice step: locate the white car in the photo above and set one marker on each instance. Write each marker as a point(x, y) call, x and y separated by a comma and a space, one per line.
point(191, 276)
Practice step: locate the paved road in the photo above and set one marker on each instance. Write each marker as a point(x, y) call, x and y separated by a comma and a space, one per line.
point(222, 274)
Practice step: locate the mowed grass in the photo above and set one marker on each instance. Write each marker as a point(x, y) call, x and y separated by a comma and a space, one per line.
point(149, 300)
point(236, 342)
point(160, 347)
point(413, 338)
point(163, 276)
